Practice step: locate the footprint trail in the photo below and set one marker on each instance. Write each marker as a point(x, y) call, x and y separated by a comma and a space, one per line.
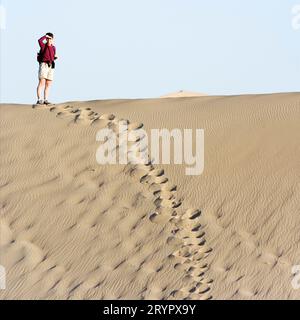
point(187, 230)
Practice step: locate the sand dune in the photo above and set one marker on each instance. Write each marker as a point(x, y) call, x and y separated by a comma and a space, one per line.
point(73, 229)
point(183, 94)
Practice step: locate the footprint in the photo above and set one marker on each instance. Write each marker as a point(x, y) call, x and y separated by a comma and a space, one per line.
point(168, 195)
point(159, 218)
point(165, 203)
point(135, 126)
point(192, 214)
point(107, 117)
point(153, 179)
point(156, 172)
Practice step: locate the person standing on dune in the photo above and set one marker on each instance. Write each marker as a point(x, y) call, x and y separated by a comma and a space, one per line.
point(46, 57)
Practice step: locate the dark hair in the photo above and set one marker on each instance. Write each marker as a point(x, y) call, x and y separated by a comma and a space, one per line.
point(50, 34)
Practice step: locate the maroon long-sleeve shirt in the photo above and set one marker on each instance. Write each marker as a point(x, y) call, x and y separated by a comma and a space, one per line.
point(47, 52)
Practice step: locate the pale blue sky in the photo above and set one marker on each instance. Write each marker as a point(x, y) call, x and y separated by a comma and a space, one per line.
point(146, 48)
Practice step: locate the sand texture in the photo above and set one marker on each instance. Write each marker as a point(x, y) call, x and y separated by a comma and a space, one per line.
point(73, 229)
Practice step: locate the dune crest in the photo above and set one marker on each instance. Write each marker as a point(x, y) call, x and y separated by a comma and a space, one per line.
point(183, 94)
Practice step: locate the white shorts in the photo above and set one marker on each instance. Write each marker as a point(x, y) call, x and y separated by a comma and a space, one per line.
point(45, 72)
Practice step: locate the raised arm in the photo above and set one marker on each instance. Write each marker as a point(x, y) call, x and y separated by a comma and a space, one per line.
point(42, 42)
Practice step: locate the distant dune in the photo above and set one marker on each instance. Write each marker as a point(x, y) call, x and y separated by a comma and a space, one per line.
point(73, 229)
point(183, 94)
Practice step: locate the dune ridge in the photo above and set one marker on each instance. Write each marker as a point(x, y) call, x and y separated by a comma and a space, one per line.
point(183, 94)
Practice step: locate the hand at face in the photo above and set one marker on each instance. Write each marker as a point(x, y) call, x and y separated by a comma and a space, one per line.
point(50, 40)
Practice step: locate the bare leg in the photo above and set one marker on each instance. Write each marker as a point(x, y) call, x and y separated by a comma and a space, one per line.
point(47, 87)
point(40, 87)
